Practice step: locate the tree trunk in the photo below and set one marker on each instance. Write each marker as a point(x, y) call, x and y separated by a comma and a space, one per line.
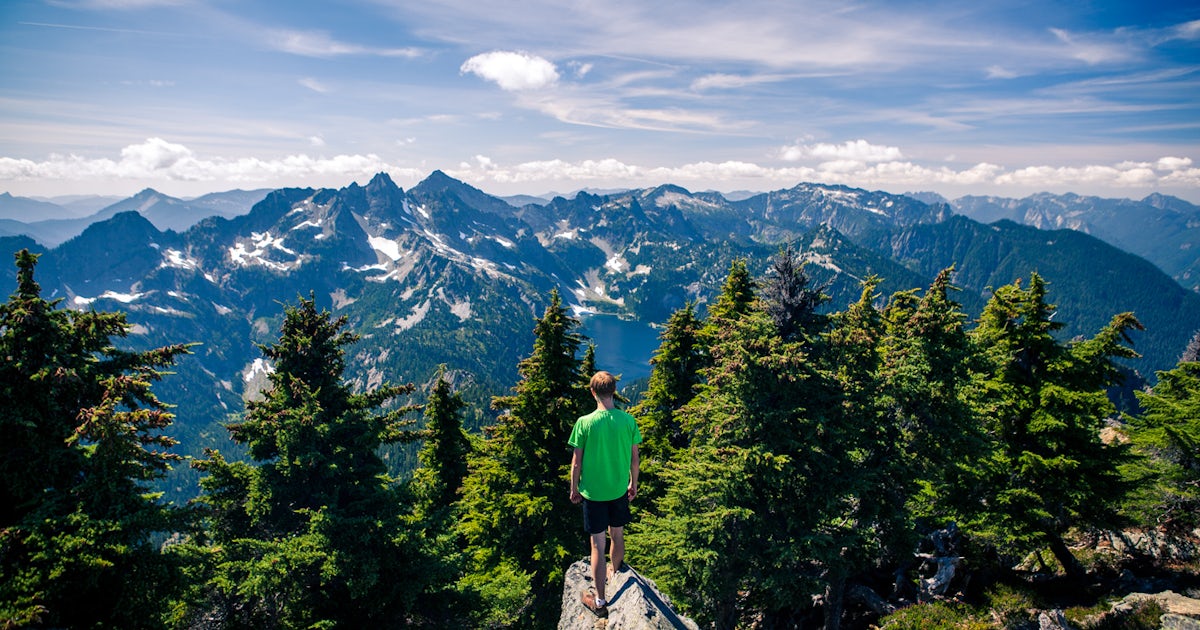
point(1065, 557)
point(835, 593)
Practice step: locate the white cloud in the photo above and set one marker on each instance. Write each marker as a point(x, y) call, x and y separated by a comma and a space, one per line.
point(895, 173)
point(1090, 50)
point(314, 85)
point(856, 150)
point(580, 69)
point(1000, 72)
point(1173, 163)
point(157, 159)
point(721, 81)
point(855, 163)
point(320, 44)
point(512, 71)
point(316, 141)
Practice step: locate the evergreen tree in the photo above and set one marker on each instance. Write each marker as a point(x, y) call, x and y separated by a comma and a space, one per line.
point(82, 439)
point(443, 457)
point(1044, 404)
point(863, 481)
point(1167, 435)
point(926, 365)
point(747, 514)
point(789, 298)
point(736, 298)
point(313, 533)
point(520, 527)
point(674, 375)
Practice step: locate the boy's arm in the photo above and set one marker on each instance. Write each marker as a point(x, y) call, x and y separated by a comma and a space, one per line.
point(576, 469)
point(633, 471)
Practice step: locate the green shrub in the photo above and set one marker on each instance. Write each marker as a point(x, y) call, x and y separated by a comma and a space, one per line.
point(1011, 605)
point(933, 616)
point(1145, 615)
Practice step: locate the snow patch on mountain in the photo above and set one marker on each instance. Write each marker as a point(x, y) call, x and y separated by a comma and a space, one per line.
point(263, 244)
point(308, 224)
point(387, 247)
point(124, 298)
point(617, 264)
point(259, 366)
point(177, 259)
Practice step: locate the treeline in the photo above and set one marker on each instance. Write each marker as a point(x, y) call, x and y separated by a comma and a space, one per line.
point(788, 453)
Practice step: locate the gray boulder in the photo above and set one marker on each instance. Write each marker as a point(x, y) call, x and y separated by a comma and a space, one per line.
point(635, 603)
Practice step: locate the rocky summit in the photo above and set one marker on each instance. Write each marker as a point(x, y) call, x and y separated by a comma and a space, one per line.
point(635, 603)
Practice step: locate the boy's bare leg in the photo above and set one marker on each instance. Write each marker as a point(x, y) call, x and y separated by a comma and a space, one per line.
point(598, 573)
point(618, 548)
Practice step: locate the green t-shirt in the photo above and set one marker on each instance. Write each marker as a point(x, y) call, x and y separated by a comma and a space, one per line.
point(607, 438)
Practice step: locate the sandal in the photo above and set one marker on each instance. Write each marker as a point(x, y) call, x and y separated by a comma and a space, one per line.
point(589, 601)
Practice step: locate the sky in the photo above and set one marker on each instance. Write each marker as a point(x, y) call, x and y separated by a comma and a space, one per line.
point(1004, 97)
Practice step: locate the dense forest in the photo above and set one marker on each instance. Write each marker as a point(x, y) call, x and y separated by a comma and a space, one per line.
point(796, 463)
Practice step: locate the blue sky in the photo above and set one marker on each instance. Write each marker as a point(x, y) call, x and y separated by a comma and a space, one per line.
point(1006, 98)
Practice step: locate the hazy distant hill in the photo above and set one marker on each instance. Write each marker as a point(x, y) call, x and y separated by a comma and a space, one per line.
point(1162, 229)
point(165, 212)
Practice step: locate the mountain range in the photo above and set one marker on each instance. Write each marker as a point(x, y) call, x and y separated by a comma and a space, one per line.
point(56, 222)
point(1162, 229)
point(444, 273)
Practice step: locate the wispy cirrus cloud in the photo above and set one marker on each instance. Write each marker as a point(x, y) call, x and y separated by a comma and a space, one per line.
point(314, 85)
point(321, 44)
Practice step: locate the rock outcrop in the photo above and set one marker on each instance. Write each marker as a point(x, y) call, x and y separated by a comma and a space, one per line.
point(635, 603)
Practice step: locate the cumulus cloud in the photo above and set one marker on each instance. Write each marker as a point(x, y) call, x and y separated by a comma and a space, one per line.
point(1128, 175)
point(512, 71)
point(158, 159)
point(855, 150)
point(855, 163)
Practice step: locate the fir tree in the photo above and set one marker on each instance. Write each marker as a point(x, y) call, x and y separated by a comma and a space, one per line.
point(517, 519)
point(925, 367)
point(789, 298)
point(674, 376)
point(83, 436)
point(1167, 435)
point(443, 457)
point(739, 529)
point(314, 533)
point(1044, 403)
point(736, 298)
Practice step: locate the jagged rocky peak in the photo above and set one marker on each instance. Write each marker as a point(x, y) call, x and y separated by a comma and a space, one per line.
point(439, 185)
point(381, 182)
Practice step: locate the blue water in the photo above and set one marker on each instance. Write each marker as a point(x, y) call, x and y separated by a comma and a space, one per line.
point(623, 347)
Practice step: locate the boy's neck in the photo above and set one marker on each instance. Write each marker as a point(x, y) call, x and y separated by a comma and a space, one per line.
point(605, 404)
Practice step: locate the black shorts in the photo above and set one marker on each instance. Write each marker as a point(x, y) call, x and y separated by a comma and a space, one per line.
point(598, 516)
